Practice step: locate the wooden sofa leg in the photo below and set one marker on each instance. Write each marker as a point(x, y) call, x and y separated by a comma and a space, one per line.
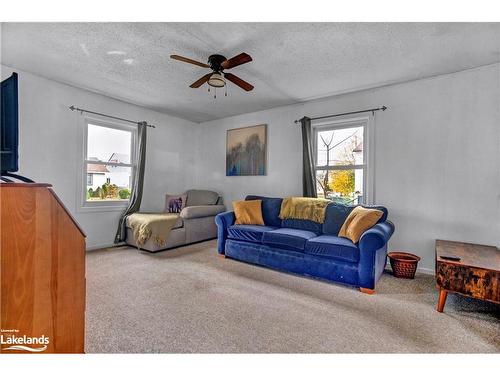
point(222, 256)
point(367, 291)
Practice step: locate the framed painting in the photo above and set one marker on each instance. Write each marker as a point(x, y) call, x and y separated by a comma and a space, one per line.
point(246, 151)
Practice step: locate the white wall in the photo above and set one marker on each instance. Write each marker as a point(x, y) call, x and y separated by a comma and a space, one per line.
point(437, 160)
point(49, 138)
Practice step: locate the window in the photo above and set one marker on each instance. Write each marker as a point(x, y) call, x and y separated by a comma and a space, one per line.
point(108, 163)
point(341, 161)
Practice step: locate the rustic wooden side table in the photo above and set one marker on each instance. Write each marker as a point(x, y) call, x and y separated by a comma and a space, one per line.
point(468, 269)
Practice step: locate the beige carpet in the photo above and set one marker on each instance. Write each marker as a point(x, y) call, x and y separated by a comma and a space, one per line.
point(191, 300)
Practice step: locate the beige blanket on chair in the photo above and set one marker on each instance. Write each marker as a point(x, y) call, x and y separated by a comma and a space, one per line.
point(151, 225)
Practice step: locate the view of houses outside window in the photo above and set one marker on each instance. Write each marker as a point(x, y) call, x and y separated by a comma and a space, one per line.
point(340, 164)
point(108, 163)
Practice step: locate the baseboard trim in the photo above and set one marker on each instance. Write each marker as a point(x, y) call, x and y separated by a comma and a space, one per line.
point(103, 246)
point(423, 270)
point(426, 271)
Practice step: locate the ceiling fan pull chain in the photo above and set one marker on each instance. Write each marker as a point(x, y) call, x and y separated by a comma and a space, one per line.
point(215, 92)
point(225, 87)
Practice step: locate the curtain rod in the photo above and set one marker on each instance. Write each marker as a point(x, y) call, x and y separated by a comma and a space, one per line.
point(73, 108)
point(372, 110)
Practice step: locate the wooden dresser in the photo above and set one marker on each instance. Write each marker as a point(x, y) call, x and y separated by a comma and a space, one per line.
point(473, 271)
point(42, 257)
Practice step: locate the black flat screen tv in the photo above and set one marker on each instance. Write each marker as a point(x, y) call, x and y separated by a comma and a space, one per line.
point(9, 131)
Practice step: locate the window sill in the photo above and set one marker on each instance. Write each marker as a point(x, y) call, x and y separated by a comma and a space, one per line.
point(103, 207)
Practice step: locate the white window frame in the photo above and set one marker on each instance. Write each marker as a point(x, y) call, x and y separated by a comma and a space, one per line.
point(102, 206)
point(367, 123)
point(91, 178)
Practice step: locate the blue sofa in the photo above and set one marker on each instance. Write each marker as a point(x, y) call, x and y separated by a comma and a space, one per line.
point(308, 248)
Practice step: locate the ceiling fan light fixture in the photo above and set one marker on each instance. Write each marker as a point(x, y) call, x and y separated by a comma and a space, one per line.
point(217, 80)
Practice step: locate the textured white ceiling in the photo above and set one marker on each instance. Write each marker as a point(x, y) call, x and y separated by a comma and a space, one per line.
point(293, 62)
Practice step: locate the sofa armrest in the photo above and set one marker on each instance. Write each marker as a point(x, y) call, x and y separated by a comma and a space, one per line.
point(372, 253)
point(223, 221)
point(192, 212)
point(376, 237)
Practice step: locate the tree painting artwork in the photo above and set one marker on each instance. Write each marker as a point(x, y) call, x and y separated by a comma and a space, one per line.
point(246, 151)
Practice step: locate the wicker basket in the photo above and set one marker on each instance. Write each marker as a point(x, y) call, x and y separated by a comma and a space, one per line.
point(404, 265)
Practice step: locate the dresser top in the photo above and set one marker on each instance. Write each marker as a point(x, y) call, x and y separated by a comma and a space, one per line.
point(471, 255)
point(24, 184)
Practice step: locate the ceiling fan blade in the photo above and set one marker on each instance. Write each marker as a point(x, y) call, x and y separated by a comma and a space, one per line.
point(238, 81)
point(190, 61)
point(242, 58)
point(201, 81)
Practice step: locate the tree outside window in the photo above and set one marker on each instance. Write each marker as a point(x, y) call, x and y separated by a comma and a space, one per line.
point(340, 163)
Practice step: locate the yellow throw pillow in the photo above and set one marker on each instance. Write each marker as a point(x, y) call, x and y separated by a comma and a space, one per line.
point(359, 220)
point(248, 212)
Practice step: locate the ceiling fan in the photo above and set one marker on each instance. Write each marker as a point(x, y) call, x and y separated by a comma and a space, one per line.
point(218, 63)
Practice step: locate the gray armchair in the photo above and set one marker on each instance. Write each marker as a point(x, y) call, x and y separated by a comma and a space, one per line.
point(196, 221)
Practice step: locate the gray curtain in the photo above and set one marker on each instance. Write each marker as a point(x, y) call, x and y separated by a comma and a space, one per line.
point(308, 170)
point(136, 197)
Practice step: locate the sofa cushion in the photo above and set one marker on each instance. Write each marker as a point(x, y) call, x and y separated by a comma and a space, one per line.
point(308, 225)
point(333, 247)
point(179, 223)
point(358, 222)
point(377, 207)
point(251, 233)
point(193, 212)
point(337, 213)
point(288, 238)
point(335, 216)
point(175, 203)
point(201, 197)
point(270, 209)
point(248, 212)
